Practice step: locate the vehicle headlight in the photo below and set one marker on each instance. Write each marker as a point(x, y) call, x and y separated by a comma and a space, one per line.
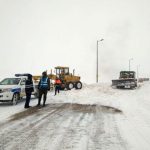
point(7, 90)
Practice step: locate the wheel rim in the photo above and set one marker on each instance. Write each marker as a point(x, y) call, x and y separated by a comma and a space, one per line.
point(70, 86)
point(78, 85)
point(15, 98)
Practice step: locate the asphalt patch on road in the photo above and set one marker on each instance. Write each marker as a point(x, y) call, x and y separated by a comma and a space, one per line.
point(85, 108)
point(78, 108)
point(110, 109)
point(28, 112)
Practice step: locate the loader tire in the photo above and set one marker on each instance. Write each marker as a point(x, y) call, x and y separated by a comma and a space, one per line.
point(70, 86)
point(78, 85)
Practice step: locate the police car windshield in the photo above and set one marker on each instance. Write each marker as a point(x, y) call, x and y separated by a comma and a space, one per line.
point(10, 81)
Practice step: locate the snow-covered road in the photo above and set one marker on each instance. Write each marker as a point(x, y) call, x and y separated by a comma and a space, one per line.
point(63, 126)
point(94, 118)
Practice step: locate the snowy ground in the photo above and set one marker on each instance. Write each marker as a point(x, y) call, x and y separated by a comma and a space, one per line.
point(94, 118)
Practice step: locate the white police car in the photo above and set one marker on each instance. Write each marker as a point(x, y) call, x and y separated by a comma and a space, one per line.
point(12, 89)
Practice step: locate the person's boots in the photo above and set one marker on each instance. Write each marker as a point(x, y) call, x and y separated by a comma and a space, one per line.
point(39, 103)
point(44, 103)
point(26, 106)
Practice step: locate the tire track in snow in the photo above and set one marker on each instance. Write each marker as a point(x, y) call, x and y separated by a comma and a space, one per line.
point(21, 133)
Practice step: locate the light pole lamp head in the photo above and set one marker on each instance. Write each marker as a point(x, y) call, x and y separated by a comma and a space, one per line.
point(131, 59)
point(100, 40)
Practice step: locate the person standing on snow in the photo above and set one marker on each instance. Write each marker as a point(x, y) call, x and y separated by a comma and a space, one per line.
point(28, 90)
point(57, 85)
point(44, 87)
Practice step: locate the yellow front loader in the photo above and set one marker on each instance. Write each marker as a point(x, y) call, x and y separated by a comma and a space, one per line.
point(69, 80)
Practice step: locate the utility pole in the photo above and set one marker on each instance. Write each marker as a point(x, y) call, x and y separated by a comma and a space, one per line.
point(137, 73)
point(97, 60)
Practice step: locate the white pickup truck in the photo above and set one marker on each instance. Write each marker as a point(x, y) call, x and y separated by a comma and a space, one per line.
point(13, 89)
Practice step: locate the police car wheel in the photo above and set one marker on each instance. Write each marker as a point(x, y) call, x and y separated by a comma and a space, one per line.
point(15, 99)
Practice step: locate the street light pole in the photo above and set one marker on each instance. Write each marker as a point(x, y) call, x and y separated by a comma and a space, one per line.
point(137, 73)
point(97, 60)
point(97, 64)
point(130, 62)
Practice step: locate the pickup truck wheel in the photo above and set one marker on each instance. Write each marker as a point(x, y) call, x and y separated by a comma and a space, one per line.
point(15, 99)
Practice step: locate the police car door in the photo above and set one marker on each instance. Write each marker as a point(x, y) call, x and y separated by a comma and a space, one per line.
point(22, 86)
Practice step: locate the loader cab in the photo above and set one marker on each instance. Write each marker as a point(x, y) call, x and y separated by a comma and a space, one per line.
point(62, 71)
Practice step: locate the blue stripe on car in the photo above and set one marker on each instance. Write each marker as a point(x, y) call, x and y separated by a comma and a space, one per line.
point(17, 90)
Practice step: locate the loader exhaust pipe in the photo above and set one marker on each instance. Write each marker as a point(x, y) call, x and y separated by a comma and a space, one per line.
point(73, 72)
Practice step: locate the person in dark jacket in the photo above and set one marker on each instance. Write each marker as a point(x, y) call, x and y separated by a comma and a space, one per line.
point(44, 87)
point(28, 90)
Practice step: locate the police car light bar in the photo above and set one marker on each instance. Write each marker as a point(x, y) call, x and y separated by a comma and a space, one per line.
point(24, 74)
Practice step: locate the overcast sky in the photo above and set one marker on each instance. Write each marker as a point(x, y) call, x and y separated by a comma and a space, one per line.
point(37, 35)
